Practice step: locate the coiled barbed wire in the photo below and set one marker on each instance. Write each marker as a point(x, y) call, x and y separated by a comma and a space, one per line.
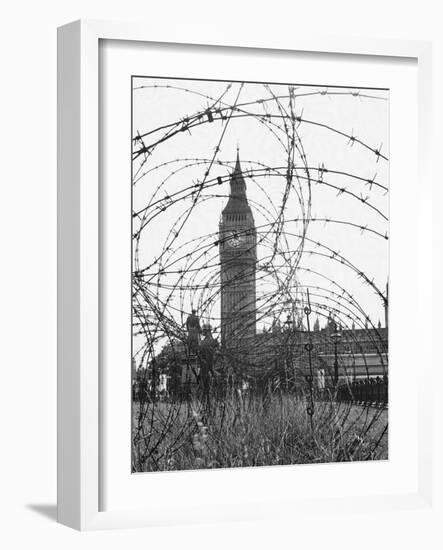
point(185, 273)
point(319, 196)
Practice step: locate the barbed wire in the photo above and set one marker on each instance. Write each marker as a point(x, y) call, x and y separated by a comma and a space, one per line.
point(299, 268)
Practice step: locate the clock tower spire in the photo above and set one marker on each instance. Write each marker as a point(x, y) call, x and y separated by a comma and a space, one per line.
point(238, 256)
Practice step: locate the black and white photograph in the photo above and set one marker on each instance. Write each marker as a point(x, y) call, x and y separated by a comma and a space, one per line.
point(260, 274)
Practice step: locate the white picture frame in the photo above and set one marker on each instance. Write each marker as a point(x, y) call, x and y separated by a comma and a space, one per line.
point(79, 408)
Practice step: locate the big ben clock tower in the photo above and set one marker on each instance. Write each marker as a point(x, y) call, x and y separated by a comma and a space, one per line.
point(238, 256)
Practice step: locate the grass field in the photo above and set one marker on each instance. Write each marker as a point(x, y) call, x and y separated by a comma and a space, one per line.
point(240, 432)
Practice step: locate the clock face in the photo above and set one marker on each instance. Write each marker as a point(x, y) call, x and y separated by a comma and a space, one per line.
point(234, 239)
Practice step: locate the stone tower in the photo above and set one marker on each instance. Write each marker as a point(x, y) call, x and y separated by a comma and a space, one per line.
point(238, 256)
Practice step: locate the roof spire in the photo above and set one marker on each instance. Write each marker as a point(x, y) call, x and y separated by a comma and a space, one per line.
point(237, 162)
point(238, 202)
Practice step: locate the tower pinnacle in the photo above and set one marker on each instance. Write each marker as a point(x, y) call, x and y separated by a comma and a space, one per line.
point(238, 202)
